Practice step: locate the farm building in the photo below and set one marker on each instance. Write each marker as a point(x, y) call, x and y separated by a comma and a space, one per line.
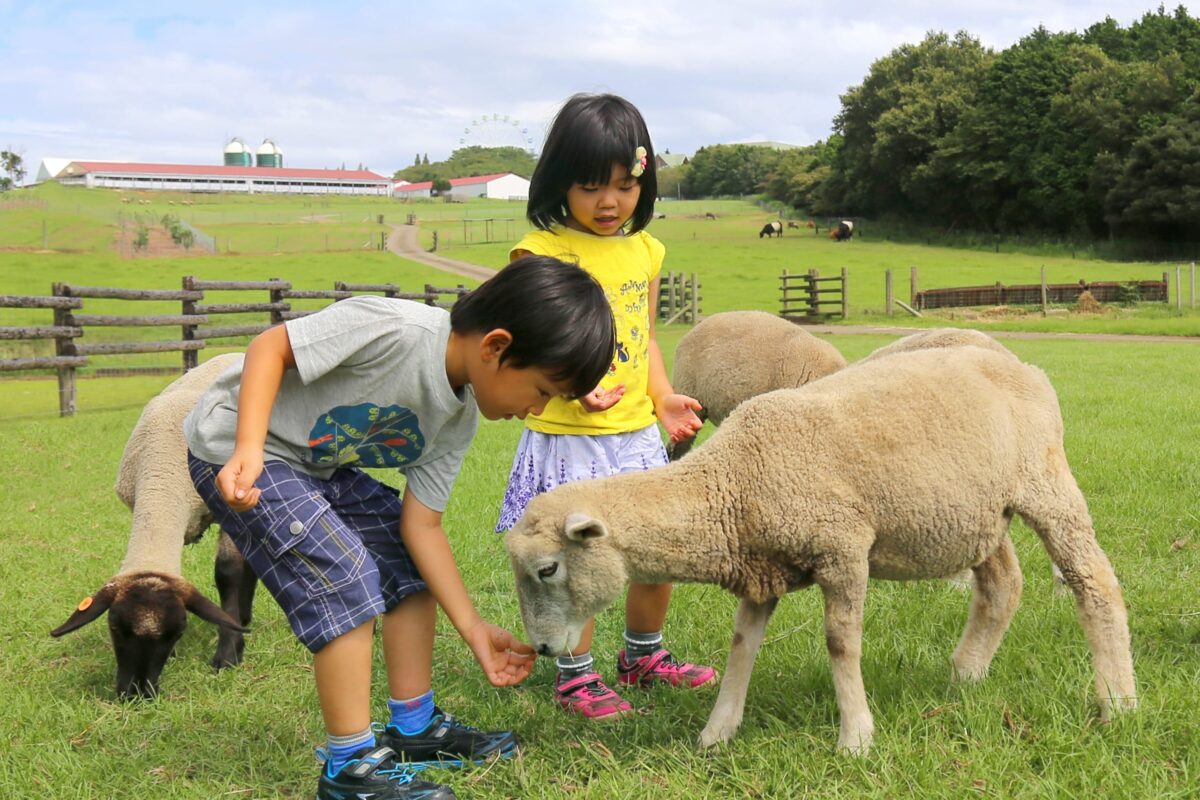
point(205, 178)
point(501, 186)
point(668, 159)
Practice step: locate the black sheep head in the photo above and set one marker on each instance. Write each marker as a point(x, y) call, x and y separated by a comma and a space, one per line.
point(147, 613)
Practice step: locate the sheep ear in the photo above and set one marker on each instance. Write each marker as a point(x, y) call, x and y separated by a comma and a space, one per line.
point(581, 528)
point(195, 602)
point(88, 609)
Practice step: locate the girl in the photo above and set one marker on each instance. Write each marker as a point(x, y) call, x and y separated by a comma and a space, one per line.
point(591, 197)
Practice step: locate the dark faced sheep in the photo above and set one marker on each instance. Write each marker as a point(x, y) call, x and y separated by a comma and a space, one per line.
point(148, 600)
point(771, 228)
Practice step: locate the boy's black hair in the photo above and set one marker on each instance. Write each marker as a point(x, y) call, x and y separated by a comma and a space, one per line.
point(589, 134)
point(558, 316)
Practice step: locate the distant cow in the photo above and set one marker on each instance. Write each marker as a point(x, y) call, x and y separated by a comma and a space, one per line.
point(710, 215)
point(843, 232)
point(792, 223)
point(771, 228)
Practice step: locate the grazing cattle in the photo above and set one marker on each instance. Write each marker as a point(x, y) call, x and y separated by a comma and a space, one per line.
point(843, 232)
point(792, 223)
point(775, 228)
point(710, 215)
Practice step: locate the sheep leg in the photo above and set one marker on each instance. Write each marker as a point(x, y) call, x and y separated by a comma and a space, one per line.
point(1059, 515)
point(845, 590)
point(749, 627)
point(236, 582)
point(993, 603)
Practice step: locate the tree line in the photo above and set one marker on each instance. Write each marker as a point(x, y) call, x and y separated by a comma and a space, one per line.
point(1092, 134)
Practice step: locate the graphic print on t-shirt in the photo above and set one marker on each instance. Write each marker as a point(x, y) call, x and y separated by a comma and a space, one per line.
point(366, 435)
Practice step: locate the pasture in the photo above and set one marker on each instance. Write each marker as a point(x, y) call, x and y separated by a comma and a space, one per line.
point(1028, 730)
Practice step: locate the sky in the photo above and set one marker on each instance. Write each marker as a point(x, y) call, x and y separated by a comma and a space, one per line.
point(379, 83)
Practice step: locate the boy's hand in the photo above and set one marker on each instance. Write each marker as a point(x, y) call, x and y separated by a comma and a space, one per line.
point(236, 480)
point(677, 413)
point(601, 399)
point(505, 659)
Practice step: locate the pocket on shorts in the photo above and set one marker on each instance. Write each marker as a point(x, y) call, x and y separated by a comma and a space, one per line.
point(323, 554)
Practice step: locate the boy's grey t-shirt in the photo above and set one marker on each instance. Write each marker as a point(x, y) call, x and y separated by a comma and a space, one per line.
point(369, 390)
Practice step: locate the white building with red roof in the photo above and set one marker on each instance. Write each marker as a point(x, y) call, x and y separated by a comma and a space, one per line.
point(500, 186)
point(205, 178)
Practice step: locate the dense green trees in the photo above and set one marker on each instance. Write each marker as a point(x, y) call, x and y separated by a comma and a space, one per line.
point(467, 162)
point(1094, 133)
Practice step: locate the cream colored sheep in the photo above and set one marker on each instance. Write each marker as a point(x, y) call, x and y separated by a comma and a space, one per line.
point(937, 338)
point(148, 599)
point(735, 355)
point(818, 485)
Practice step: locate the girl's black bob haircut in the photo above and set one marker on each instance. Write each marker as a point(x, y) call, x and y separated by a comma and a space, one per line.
point(590, 133)
point(558, 316)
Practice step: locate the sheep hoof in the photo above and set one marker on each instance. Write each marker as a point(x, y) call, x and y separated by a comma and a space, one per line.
point(1112, 706)
point(715, 734)
point(968, 673)
point(855, 744)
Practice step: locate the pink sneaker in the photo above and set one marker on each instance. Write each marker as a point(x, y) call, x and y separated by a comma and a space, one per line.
point(587, 695)
point(659, 666)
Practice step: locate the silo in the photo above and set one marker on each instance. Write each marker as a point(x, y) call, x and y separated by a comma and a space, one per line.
point(269, 154)
point(237, 154)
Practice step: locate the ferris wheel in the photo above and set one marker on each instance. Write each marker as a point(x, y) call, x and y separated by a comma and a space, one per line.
point(497, 130)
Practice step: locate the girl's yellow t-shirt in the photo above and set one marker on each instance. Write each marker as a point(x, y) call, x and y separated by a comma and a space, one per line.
point(625, 266)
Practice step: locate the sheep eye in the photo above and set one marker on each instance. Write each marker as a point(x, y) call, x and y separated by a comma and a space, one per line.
point(548, 570)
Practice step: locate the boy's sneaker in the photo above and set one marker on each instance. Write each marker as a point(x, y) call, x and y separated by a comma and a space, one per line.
point(447, 742)
point(661, 667)
point(587, 695)
point(374, 773)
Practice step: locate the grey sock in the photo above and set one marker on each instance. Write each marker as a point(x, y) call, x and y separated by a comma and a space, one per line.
point(574, 666)
point(641, 644)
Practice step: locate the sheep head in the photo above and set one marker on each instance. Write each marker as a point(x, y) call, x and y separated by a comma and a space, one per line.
point(147, 614)
point(567, 570)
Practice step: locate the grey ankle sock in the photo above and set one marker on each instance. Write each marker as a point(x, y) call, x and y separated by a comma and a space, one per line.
point(641, 644)
point(574, 666)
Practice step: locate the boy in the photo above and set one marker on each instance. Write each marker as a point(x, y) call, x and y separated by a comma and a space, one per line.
point(377, 382)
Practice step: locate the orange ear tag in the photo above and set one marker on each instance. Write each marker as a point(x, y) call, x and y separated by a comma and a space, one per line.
point(84, 604)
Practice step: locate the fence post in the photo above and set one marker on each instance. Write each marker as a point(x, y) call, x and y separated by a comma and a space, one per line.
point(695, 299)
point(276, 296)
point(887, 284)
point(64, 347)
point(912, 284)
point(1044, 290)
point(811, 312)
point(1192, 292)
point(845, 293)
point(783, 294)
point(434, 248)
point(191, 358)
point(430, 295)
point(1178, 288)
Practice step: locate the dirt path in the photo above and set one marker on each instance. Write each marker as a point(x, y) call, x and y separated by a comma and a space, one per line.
point(403, 242)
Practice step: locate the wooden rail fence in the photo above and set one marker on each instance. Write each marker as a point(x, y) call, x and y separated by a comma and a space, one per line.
point(1039, 294)
point(678, 298)
point(805, 297)
point(196, 320)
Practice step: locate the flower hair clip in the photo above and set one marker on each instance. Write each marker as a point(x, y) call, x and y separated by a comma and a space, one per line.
point(639, 162)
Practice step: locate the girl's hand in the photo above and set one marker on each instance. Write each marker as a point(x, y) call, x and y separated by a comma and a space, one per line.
point(236, 480)
point(505, 659)
point(601, 399)
point(677, 413)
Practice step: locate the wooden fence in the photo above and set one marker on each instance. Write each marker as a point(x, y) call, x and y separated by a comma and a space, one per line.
point(806, 296)
point(196, 320)
point(1037, 294)
point(678, 298)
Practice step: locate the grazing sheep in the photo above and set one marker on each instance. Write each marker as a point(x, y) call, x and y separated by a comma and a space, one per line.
point(710, 215)
point(148, 599)
point(770, 228)
point(735, 355)
point(792, 224)
point(938, 338)
point(818, 485)
point(843, 232)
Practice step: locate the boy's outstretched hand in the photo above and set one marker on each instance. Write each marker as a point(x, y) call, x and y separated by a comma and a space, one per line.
point(677, 413)
point(505, 659)
point(236, 480)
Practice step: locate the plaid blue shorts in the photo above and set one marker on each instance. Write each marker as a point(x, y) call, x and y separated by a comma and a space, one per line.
point(329, 551)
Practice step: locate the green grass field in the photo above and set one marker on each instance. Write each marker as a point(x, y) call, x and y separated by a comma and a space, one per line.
point(1029, 730)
